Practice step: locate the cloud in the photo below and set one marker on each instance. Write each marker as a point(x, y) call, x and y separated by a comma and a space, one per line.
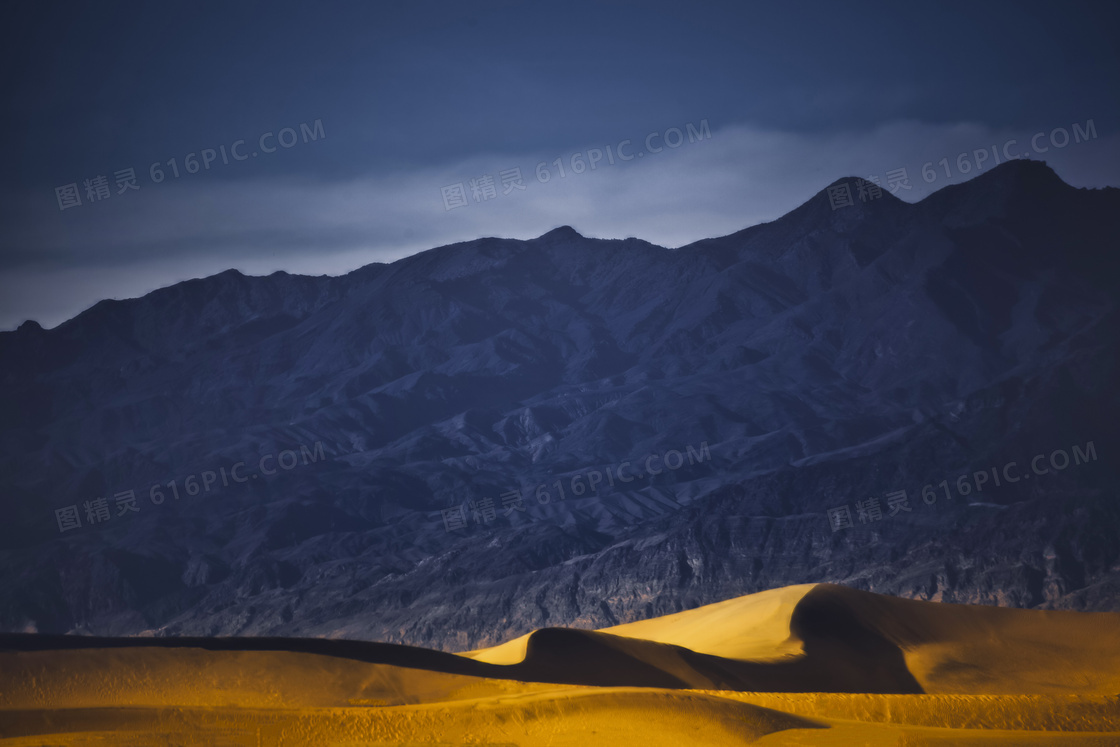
point(57, 263)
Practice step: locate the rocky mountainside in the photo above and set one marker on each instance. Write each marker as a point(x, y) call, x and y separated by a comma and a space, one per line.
point(501, 435)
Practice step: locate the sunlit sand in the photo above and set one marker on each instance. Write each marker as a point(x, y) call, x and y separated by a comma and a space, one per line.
point(812, 665)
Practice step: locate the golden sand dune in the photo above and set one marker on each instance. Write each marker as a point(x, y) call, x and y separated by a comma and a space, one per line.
point(829, 638)
point(815, 664)
point(754, 627)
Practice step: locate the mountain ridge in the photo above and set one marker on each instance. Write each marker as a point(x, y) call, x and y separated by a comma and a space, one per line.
point(1015, 171)
point(820, 358)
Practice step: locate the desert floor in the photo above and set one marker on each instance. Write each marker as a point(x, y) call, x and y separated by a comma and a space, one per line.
point(804, 665)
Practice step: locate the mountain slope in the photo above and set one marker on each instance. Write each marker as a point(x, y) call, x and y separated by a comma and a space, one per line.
point(793, 367)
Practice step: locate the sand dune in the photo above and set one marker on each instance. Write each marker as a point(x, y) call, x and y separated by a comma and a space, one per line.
point(829, 638)
point(753, 627)
point(969, 649)
point(815, 664)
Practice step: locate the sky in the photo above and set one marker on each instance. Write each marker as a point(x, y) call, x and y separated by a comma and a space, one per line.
point(149, 143)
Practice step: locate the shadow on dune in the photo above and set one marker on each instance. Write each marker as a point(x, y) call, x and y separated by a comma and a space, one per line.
point(842, 653)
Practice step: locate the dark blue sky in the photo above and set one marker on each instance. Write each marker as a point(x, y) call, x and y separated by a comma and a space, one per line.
point(415, 97)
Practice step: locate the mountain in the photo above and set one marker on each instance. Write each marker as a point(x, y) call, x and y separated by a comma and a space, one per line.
point(382, 421)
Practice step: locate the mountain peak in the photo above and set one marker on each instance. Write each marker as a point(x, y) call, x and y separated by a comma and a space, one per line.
point(563, 232)
point(860, 189)
point(846, 195)
point(1021, 184)
point(1023, 171)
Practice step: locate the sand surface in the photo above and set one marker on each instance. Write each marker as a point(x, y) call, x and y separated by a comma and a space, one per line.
point(811, 665)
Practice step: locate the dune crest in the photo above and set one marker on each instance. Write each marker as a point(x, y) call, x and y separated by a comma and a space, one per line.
point(814, 664)
point(831, 638)
point(959, 648)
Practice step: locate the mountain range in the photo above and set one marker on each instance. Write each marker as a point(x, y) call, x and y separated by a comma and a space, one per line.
point(916, 399)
